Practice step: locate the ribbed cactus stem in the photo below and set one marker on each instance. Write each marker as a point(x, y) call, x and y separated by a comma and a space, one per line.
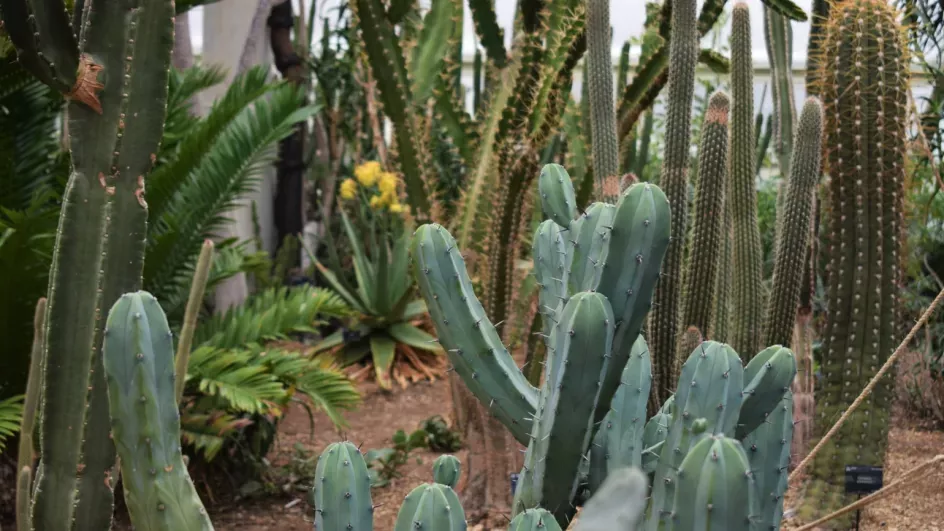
point(789, 268)
point(865, 86)
point(34, 384)
point(144, 61)
point(779, 37)
point(747, 282)
point(139, 367)
point(116, 121)
point(194, 305)
point(664, 323)
point(706, 239)
point(600, 85)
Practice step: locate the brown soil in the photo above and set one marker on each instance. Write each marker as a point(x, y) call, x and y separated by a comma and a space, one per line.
point(371, 426)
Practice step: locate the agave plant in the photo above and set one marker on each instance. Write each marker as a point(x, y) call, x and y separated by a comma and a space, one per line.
point(388, 314)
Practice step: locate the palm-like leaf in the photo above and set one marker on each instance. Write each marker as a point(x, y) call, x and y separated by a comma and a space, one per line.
point(11, 415)
point(217, 183)
point(270, 315)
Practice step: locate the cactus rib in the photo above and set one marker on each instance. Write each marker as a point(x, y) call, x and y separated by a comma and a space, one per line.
point(139, 368)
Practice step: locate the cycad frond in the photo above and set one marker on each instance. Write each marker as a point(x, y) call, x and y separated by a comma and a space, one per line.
point(230, 377)
point(181, 121)
point(328, 389)
point(270, 315)
point(199, 136)
point(208, 431)
point(11, 415)
point(230, 259)
point(28, 135)
point(226, 173)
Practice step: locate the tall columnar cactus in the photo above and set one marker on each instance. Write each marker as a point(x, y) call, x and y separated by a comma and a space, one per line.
point(664, 325)
point(139, 369)
point(600, 84)
point(117, 83)
point(747, 271)
point(778, 36)
point(865, 90)
point(706, 242)
point(794, 234)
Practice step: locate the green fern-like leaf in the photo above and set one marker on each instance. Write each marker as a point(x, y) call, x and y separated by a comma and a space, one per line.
point(271, 315)
point(217, 182)
point(11, 415)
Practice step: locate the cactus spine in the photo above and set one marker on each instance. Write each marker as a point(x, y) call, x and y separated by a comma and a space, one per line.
point(794, 233)
point(747, 280)
point(602, 108)
point(706, 240)
point(117, 84)
point(865, 88)
point(139, 368)
point(663, 326)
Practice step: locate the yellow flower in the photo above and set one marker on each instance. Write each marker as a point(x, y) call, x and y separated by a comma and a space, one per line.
point(396, 208)
point(388, 183)
point(348, 189)
point(367, 173)
point(376, 202)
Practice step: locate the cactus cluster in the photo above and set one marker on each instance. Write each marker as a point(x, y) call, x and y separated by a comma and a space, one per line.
point(719, 293)
point(596, 275)
point(115, 77)
point(864, 84)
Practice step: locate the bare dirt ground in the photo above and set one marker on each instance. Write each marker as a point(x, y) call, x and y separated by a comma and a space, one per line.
point(914, 508)
point(371, 426)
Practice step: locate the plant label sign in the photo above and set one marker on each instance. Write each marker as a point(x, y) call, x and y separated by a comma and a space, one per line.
point(861, 479)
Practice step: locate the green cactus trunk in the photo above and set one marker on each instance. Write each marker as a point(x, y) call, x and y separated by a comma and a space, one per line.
point(865, 89)
point(664, 323)
point(794, 227)
point(703, 265)
point(600, 85)
point(747, 271)
point(117, 81)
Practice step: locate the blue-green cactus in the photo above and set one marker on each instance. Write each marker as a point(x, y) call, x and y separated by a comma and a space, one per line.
point(139, 369)
point(590, 240)
point(577, 362)
point(342, 490)
point(766, 378)
point(431, 507)
point(715, 488)
point(467, 335)
point(709, 387)
point(558, 199)
point(620, 440)
point(534, 520)
point(768, 450)
point(446, 470)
